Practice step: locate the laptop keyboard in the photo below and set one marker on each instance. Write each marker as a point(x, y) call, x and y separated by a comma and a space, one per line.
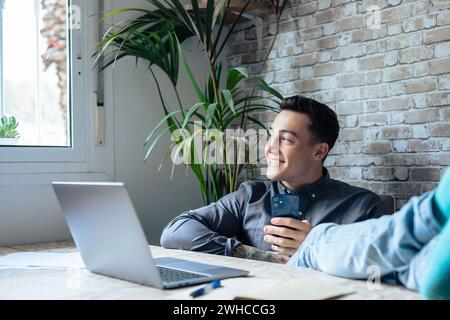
point(172, 275)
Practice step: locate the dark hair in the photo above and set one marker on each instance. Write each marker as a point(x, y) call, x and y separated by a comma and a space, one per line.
point(324, 123)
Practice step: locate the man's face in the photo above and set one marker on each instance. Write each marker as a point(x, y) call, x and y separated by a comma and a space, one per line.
point(290, 152)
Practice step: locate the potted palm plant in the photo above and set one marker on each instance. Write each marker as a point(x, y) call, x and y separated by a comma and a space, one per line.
point(156, 36)
point(8, 131)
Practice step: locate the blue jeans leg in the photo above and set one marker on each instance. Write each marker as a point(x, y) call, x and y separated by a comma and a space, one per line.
point(412, 275)
point(388, 243)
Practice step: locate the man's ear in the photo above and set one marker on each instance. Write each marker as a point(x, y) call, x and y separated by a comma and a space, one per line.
point(321, 151)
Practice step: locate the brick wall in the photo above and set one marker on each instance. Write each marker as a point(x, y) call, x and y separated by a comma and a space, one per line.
point(386, 73)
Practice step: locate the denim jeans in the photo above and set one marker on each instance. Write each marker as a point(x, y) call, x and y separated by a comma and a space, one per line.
point(396, 246)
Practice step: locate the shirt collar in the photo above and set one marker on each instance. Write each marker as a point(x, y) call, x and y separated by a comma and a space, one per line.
point(312, 190)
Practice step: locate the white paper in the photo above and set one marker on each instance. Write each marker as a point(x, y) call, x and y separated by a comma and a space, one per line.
point(300, 289)
point(42, 260)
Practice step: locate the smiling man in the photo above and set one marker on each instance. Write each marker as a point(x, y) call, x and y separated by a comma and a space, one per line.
point(241, 224)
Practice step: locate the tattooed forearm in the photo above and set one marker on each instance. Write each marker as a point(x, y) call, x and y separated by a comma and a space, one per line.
point(247, 252)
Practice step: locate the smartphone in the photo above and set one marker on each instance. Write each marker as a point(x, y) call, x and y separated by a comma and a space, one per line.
point(286, 206)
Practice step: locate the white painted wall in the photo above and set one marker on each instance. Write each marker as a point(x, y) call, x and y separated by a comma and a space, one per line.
point(137, 109)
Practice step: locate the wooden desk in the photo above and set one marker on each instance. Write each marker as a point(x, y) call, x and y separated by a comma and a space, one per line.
point(82, 284)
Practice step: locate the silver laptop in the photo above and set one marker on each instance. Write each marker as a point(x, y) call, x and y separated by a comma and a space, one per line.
point(109, 236)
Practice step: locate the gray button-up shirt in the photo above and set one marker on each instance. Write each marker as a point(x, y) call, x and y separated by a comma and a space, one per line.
point(239, 217)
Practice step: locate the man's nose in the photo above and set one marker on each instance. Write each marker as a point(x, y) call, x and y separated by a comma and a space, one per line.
point(273, 143)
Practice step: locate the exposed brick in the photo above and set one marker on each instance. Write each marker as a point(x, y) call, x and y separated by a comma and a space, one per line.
point(351, 134)
point(425, 174)
point(351, 94)
point(411, 55)
point(311, 33)
point(394, 2)
point(378, 173)
point(397, 103)
point(420, 85)
point(440, 129)
point(325, 4)
point(340, 2)
point(413, 24)
point(404, 188)
point(378, 147)
point(351, 121)
point(398, 73)
point(286, 75)
point(396, 13)
point(326, 43)
point(324, 56)
point(401, 173)
point(357, 160)
point(354, 147)
point(439, 99)
point(288, 26)
point(352, 80)
point(305, 60)
point(327, 69)
point(443, 18)
point(305, 9)
point(421, 116)
point(422, 6)
point(420, 131)
point(346, 107)
point(421, 69)
point(422, 145)
point(330, 28)
point(374, 77)
point(372, 106)
point(429, 21)
point(307, 85)
point(371, 63)
point(445, 113)
point(397, 132)
point(394, 28)
point(442, 50)
point(444, 83)
point(439, 159)
point(392, 94)
point(368, 34)
point(437, 35)
point(368, 120)
point(326, 16)
point(351, 23)
point(440, 66)
point(429, 186)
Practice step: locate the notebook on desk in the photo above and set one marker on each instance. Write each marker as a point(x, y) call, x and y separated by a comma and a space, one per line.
point(107, 232)
point(300, 289)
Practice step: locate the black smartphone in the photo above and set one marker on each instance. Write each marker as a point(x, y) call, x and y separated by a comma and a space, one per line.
point(286, 206)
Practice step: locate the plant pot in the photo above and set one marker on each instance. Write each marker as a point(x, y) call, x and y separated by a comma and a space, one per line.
point(8, 141)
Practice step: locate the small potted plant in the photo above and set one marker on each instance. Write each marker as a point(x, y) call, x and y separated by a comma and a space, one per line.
point(8, 131)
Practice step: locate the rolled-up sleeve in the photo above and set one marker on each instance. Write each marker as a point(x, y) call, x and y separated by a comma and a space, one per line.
point(210, 229)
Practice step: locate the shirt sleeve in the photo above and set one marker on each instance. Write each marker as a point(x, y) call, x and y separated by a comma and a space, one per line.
point(210, 229)
point(375, 207)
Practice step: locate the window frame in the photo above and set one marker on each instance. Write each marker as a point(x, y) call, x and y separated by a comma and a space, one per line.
point(82, 156)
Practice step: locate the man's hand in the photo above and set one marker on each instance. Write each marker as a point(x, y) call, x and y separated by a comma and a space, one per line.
point(247, 252)
point(286, 234)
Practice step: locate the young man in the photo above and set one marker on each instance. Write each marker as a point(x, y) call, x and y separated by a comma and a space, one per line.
point(410, 247)
point(241, 224)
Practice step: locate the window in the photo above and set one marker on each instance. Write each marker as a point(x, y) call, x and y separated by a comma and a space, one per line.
point(34, 71)
point(56, 134)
